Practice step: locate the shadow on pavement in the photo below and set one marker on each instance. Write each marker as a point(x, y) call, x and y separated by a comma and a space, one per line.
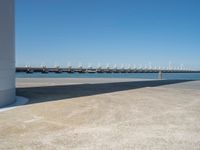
point(59, 92)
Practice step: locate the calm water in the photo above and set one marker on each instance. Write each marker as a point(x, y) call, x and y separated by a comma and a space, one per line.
point(188, 76)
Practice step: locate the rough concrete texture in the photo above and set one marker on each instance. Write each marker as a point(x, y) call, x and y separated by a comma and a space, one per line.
point(141, 115)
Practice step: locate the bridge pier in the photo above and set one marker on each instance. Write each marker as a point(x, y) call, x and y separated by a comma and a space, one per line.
point(160, 75)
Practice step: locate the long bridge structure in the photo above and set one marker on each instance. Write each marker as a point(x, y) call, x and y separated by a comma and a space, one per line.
point(100, 70)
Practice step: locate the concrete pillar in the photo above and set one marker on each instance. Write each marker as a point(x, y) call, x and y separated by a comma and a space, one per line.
point(7, 52)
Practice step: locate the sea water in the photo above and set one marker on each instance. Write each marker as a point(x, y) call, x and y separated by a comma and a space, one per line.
point(168, 76)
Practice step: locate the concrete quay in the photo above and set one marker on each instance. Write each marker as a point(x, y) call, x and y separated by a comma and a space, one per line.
point(103, 114)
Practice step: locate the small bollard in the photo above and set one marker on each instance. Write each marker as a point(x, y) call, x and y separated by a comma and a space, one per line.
point(160, 75)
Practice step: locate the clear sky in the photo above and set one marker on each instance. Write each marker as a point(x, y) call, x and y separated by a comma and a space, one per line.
point(107, 32)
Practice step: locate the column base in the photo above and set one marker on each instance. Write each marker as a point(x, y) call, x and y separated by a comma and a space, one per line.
point(7, 97)
point(18, 102)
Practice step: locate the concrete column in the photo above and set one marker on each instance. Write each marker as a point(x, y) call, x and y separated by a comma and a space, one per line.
point(7, 52)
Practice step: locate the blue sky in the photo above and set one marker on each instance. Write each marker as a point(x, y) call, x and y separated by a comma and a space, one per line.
point(107, 32)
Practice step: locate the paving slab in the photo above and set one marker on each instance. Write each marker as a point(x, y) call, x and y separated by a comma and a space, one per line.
point(129, 114)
